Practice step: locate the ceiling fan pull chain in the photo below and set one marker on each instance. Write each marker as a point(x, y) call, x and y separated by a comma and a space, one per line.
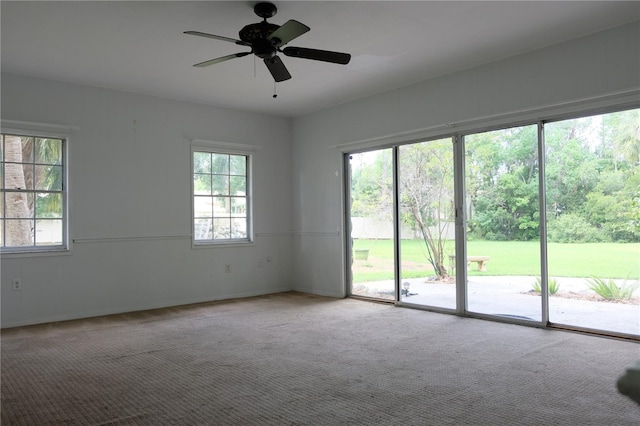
point(275, 95)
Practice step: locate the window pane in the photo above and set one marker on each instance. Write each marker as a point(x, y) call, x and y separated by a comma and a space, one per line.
point(18, 176)
point(27, 149)
point(238, 228)
point(48, 178)
point(48, 232)
point(48, 205)
point(48, 151)
point(222, 206)
point(238, 165)
point(19, 233)
point(238, 206)
point(237, 185)
point(220, 164)
point(220, 184)
point(19, 205)
point(222, 228)
point(202, 206)
point(202, 184)
point(201, 162)
point(202, 229)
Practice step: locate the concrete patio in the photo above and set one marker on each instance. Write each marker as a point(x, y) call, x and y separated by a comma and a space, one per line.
point(511, 296)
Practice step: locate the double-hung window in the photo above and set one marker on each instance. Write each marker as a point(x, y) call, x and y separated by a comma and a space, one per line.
point(33, 193)
point(221, 197)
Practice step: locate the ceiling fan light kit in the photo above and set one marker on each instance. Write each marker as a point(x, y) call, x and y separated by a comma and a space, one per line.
point(266, 40)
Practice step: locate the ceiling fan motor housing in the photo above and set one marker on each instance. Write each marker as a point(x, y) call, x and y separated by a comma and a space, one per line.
point(256, 35)
point(265, 10)
point(264, 49)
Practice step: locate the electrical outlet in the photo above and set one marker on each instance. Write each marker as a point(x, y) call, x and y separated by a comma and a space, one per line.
point(16, 284)
point(227, 268)
point(261, 263)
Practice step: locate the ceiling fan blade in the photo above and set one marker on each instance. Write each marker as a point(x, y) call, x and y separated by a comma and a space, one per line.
point(287, 32)
point(217, 37)
point(277, 69)
point(222, 59)
point(317, 55)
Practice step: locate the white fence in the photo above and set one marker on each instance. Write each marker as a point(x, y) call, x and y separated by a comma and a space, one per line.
point(374, 228)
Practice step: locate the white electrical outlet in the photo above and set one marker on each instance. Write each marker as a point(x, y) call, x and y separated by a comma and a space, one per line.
point(16, 284)
point(227, 268)
point(261, 263)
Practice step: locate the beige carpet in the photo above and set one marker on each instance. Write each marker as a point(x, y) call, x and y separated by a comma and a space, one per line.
point(294, 359)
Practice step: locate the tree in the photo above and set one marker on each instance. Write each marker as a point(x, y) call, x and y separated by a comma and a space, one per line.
point(426, 193)
point(18, 204)
point(623, 129)
point(372, 187)
point(502, 183)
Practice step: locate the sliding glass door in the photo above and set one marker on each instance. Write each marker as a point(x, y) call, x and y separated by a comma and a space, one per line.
point(593, 216)
point(371, 220)
point(427, 228)
point(457, 226)
point(503, 236)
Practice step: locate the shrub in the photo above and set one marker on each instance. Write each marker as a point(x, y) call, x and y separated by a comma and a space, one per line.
point(608, 289)
point(573, 228)
point(552, 283)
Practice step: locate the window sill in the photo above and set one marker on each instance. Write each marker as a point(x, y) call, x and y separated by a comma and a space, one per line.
point(221, 244)
point(36, 253)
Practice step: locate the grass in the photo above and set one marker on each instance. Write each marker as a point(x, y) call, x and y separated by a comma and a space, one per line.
point(607, 260)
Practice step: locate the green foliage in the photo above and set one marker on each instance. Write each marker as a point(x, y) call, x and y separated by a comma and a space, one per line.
point(502, 170)
point(610, 205)
point(553, 285)
point(608, 289)
point(592, 179)
point(507, 211)
point(371, 184)
point(573, 228)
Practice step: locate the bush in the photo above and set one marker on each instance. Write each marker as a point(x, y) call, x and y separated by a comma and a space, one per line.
point(552, 283)
point(609, 290)
point(573, 228)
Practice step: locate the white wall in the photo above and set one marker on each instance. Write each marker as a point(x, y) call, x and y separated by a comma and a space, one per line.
point(130, 205)
point(588, 72)
point(129, 177)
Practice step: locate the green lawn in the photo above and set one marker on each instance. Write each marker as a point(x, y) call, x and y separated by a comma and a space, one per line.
point(606, 260)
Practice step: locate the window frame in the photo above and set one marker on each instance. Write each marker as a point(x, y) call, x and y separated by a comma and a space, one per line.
point(247, 151)
point(40, 131)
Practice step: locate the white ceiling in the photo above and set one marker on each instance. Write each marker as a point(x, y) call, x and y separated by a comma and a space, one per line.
point(140, 46)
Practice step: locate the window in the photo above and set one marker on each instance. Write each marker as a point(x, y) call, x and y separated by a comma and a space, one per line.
point(221, 197)
point(33, 202)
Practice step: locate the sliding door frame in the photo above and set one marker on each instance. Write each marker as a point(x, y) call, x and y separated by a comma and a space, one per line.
point(606, 104)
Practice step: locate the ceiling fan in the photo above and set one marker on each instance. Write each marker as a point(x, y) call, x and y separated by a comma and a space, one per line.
point(266, 40)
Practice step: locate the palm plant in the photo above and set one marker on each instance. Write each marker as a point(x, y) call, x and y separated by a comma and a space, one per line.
point(552, 283)
point(608, 289)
